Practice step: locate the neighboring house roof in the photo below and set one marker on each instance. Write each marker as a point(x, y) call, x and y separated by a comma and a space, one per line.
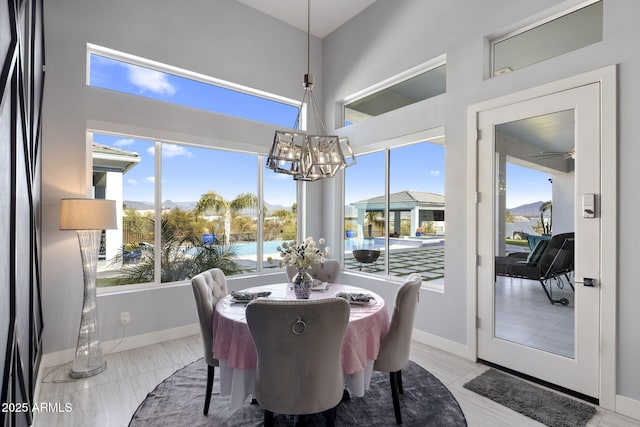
point(112, 159)
point(403, 200)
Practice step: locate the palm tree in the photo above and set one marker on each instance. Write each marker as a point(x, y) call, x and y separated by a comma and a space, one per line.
point(212, 201)
point(176, 263)
point(546, 206)
point(374, 218)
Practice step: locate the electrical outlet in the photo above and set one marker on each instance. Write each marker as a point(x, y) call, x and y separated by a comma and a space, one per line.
point(124, 318)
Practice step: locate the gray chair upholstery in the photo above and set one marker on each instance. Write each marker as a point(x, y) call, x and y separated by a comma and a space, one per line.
point(394, 347)
point(327, 271)
point(298, 344)
point(208, 287)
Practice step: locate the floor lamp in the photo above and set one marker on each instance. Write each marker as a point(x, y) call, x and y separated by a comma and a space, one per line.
point(88, 217)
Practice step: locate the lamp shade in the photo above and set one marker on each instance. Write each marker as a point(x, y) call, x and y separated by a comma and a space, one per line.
point(88, 214)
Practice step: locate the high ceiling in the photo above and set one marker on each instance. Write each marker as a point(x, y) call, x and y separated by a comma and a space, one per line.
point(326, 15)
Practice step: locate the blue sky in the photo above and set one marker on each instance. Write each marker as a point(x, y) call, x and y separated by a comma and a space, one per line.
point(188, 172)
point(525, 185)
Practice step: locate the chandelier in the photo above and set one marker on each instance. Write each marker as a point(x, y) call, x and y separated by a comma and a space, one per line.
point(305, 156)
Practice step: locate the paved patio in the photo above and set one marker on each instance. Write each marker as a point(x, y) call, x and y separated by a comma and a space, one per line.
point(428, 261)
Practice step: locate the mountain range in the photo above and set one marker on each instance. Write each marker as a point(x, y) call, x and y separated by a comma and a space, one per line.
point(528, 210)
point(186, 206)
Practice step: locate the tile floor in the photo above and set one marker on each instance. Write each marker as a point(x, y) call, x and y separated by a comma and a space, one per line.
point(110, 398)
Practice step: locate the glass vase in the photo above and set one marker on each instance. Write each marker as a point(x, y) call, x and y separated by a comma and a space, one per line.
point(302, 283)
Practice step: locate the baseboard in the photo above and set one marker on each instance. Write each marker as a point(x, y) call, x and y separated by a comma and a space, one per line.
point(628, 407)
point(127, 343)
point(440, 343)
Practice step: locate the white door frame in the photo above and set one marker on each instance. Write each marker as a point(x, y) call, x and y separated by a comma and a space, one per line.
point(608, 209)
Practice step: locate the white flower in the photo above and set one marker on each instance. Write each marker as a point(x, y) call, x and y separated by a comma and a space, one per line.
point(302, 255)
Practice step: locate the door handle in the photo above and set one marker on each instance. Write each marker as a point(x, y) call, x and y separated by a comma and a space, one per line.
point(589, 281)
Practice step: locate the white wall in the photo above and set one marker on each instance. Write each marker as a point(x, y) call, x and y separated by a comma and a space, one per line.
point(390, 37)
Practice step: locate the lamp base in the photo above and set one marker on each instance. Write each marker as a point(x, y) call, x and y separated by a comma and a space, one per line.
point(86, 374)
point(88, 360)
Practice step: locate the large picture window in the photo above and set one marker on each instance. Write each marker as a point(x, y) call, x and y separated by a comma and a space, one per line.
point(402, 230)
point(186, 209)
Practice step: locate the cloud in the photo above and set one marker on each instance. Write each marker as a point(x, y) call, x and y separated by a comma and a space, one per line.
point(434, 172)
point(124, 142)
point(132, 181)
point(150, 80)
point(150, 180)
point(170, 151)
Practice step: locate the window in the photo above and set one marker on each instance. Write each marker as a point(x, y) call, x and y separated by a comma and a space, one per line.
point(186, 88)
point(404, 228)
point(209, 214)
point(425, 85)
point(280, 215)
point(554, 37)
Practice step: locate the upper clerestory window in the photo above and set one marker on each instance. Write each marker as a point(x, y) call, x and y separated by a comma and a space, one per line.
point(573, 29)
point(398, 92)
point(125, 73)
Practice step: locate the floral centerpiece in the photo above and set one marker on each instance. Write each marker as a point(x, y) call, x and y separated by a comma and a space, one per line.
point(302, 256)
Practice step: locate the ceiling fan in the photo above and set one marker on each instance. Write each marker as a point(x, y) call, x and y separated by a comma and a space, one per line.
point(571, 154)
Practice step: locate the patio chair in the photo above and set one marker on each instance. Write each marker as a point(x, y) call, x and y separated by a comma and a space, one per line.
point(550, 260)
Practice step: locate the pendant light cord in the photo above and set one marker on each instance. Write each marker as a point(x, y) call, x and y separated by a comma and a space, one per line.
point(308, 36)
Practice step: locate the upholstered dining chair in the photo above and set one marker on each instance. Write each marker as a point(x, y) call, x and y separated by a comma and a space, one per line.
point(208, 287)
point(298, 343)
point(327, 271)
point(394, 347)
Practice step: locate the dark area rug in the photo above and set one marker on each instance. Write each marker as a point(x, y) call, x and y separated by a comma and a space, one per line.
point(179, 400)
point(548, 407)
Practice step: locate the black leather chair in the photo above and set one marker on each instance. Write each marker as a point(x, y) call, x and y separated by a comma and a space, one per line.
point(555, 261)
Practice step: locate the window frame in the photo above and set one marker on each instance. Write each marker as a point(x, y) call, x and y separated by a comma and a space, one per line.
point(93, 49)
point(493, 73)
point(390, 82)
point(433, 136)
point(157, 191)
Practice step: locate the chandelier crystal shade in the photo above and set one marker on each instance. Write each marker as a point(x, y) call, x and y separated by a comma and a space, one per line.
point(309, 157)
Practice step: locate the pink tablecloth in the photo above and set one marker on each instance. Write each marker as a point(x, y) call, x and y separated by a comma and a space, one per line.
point(234, 347)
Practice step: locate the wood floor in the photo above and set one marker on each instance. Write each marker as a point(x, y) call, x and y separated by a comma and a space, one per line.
point(110, 398)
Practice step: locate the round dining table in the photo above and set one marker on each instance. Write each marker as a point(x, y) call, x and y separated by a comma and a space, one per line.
point(233, 345)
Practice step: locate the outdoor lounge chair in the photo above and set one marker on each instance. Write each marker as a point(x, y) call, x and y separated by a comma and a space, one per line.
point(549, 260)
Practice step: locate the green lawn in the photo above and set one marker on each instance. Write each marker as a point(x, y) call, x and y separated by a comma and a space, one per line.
point(517, 242)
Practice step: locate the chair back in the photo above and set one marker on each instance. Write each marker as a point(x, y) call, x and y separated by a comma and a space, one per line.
point(327, 271)
point(394, 347)
point(298, 344)
point(558, 256)
point(208, 287)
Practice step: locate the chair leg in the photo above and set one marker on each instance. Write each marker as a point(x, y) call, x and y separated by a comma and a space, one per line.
point(268, 418)
point(207, 398)
point(400, 389)
point(330, 416)
point(393, 376)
